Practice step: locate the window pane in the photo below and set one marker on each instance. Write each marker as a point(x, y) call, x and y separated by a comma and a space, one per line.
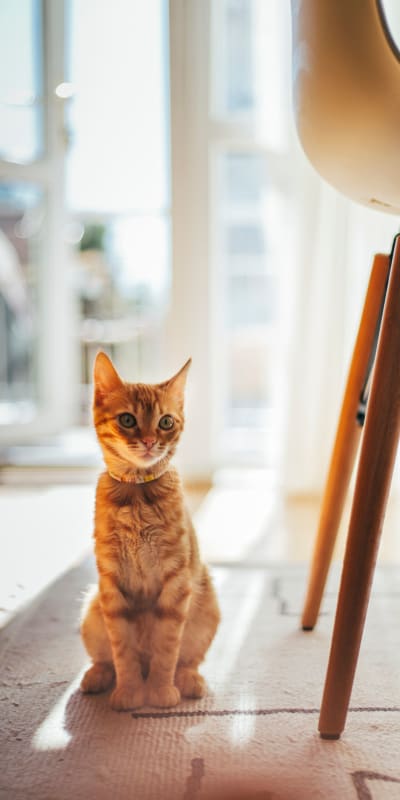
point(21, 220)
point(251, 229)
point(118, 180)
point(122, 272)
point(239, 56)
point(244, 180)
point(21, 108)
point(118, 119)
point(251, 65)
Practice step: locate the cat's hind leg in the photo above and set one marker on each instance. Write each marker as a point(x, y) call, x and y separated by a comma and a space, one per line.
point(200, 629)
point(100, 676)
point(189, 681)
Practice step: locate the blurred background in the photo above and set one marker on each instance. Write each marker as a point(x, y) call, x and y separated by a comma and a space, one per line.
point(154, 203)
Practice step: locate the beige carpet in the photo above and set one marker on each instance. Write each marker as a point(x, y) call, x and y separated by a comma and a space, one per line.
point(254, 736)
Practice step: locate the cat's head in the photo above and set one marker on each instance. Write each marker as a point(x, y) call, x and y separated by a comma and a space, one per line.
point(137, 424)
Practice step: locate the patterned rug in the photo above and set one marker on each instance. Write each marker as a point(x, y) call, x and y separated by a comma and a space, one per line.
point(254, 737)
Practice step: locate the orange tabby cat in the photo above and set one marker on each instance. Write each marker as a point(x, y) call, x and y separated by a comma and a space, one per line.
point(155, 613)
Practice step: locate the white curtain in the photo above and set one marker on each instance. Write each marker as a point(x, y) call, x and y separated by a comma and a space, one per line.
point(332, 246)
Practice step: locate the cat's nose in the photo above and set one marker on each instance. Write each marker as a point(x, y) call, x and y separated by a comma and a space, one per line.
point(148, 442)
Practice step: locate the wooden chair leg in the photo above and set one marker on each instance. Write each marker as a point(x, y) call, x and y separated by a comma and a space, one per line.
point(377, 457)
point(346, 444)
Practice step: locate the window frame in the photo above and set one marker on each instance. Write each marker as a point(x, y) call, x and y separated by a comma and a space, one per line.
point(56, 347)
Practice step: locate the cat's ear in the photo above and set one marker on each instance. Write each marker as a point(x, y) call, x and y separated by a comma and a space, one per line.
point(176, 385)
point(106, 378)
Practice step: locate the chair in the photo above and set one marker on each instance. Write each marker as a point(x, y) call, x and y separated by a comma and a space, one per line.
point(346, 92)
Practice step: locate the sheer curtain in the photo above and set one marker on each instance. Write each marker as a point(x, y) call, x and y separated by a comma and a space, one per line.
point(322, 258)
point(334, 244)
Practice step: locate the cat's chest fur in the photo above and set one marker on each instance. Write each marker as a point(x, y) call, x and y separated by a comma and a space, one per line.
point(143, 539)
point(139, 535)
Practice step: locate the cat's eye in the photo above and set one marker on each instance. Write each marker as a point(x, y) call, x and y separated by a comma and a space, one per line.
point(166, 422)
point(127, 420)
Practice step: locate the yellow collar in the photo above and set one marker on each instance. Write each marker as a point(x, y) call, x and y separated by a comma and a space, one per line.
point(145, 477)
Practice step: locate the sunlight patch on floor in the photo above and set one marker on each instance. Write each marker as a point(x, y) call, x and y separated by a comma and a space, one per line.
point(52, 733)
point(239, 631)
point(243, 725)
point(43, 533)
point(230, 522)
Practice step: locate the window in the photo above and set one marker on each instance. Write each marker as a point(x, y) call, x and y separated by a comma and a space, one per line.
point(248, 146)
point(21, 207)
point(84, 262)
point(118, 181)
point(114, 287)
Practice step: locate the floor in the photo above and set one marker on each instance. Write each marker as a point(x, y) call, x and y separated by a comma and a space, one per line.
point(243, 524)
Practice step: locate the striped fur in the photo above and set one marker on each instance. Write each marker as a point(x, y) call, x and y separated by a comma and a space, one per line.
point(149, 623)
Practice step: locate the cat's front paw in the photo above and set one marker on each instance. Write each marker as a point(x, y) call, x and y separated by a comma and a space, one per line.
point(124, 698)
point(163, 696)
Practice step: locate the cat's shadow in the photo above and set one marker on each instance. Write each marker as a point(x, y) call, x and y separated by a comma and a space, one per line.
point(121, 747)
